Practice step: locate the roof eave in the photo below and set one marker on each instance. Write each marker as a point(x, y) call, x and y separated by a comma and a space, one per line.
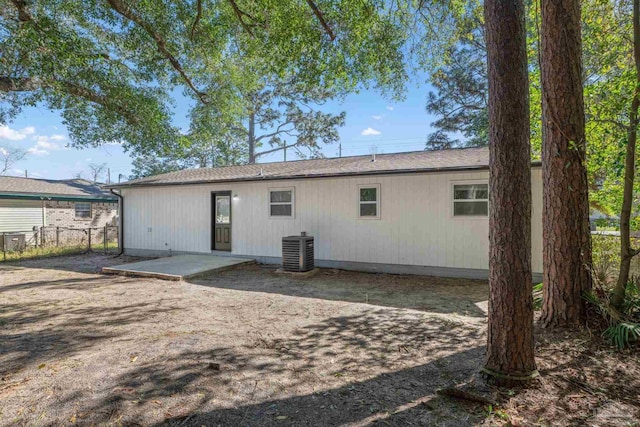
point(57, 197)
point(309, 176)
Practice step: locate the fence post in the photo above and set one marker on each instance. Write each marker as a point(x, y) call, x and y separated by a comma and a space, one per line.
point(89, 239)
point(4, 246)
point(104, 239)
point(42, 237)
point(57, 236)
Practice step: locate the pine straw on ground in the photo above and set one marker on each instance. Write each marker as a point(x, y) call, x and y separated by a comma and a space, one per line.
point(583, 382)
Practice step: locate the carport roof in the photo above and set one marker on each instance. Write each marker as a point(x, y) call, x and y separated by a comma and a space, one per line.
point(412, 162)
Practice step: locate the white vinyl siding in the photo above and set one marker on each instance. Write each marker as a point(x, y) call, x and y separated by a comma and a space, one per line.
point(417, 227)
point(20, 215)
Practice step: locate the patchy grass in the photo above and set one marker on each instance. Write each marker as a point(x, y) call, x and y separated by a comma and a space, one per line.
point(43, 252)
point(53, 251)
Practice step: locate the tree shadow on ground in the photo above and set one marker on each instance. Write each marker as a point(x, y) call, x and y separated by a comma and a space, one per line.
point(52, 330)
point(378, 367)
point(88, 262)
point(77, 283)
point(425, 293)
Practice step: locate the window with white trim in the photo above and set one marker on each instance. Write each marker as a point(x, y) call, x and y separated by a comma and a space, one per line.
point(281, 202)
point(471, 199)
point(369, 201)
point(83, 210)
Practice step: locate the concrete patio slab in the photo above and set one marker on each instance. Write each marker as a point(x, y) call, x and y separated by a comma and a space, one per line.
point(177, 267)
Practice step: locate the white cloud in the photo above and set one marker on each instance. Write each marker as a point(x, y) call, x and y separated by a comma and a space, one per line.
point(37, 151)
point(58, 137)
point(370, 131)
point(44, 146)
point(14, 134)
point(376, 117)
point(3, 151)
point(389, 107)
point(43, 142)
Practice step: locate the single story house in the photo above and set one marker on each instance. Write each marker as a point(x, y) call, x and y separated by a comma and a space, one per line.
point(420, 212)
point(28, 203)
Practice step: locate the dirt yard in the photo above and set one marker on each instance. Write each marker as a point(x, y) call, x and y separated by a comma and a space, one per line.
point(252, 347)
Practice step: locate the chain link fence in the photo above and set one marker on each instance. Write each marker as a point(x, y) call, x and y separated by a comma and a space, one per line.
point(51, 241)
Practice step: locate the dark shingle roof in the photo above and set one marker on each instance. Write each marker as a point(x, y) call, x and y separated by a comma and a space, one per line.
point(418, 161)
point(14, 187)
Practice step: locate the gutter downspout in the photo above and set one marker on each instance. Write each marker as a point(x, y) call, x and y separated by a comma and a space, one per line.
point(121, 221)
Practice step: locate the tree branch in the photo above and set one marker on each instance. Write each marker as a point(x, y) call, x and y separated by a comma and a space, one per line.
point(241, 14)
point(320, 17)
point(278, 131)
point(19, 84)
point(198, 16)
point(23, 13)
point(273, 150)
point(125, 11)
point(619, 125)
point(30, 84)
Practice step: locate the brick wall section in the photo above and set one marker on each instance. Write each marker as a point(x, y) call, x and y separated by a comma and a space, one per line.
point(72, 229)
point(63, 214)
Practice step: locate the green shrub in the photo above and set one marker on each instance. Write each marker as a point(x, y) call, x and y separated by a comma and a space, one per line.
point(622, 334)
point(606, 258)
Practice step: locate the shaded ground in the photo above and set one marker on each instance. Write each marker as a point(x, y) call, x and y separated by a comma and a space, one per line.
point(83, 348)
point(251, 347)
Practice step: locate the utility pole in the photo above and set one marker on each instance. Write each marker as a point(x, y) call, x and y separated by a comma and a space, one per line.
point(285, 151)
point(108, 175)
point(340, 150)
point(25, 174)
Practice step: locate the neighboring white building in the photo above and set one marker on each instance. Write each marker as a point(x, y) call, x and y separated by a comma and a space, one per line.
point(28, 203)
point(421, 212)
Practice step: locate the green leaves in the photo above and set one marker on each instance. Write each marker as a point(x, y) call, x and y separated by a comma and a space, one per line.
point(111, 66)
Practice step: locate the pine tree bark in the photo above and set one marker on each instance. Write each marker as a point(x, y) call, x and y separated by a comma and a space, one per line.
point(627, 252)
point(510, 345)
point(566, 230)
point(252, 138)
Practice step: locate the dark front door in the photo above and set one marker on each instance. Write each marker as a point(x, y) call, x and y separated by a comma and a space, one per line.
point(221, 238)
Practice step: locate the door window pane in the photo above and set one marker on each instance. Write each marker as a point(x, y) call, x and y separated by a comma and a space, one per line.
point(223, 209)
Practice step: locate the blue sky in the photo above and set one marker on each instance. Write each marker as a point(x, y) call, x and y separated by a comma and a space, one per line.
point(372, 121)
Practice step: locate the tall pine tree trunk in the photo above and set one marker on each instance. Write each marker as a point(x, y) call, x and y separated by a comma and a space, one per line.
point(626, 251)
point(252, 138)
point(510, 355)
point(566, 232)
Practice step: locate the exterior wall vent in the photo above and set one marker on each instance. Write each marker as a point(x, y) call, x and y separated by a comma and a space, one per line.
point(297, 253)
